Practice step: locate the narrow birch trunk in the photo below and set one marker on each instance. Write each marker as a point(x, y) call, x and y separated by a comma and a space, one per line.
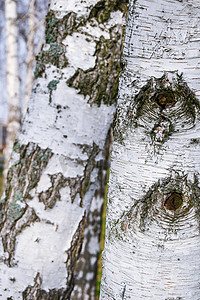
point(86, 269)
point(55, 164)
point(12, 78)
point(152, 239)
point(30, 54)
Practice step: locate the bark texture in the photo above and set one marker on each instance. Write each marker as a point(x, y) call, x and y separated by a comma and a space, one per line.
point(153, 221)
point(56, 162)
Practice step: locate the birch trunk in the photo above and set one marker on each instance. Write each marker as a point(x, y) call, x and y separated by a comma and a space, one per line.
point(30, 54)
point(153, 219)
point(55, 164)
point(12, 78)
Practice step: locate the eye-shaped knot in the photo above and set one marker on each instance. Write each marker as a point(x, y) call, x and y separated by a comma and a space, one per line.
point(163, 107)
point(165, 98)
point(174, 201)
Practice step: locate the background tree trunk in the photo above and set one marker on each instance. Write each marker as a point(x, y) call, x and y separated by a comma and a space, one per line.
point(12, 78)
point(56, 162)
point(152, 238)
point(30, 54)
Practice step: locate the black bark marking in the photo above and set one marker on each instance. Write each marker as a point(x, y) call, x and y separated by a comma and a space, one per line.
point(73, 255)
point(123, 292)
point(52, 195)
point(88, 261)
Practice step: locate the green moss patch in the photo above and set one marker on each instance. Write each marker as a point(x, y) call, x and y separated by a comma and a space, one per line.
point(100, 83)
point(55, 56)
point(102, 9)
point(56, 30)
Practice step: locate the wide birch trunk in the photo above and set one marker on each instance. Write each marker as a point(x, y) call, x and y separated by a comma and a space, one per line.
point(60, 152)
point(153, 219)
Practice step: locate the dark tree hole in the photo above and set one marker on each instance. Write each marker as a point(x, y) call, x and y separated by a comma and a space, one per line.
point(174, 201)
point(165, 98)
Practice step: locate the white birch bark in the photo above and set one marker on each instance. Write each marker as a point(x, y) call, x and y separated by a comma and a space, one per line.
point(30, 54)
point(55, 164)
point(152, 239)
point(12, 78)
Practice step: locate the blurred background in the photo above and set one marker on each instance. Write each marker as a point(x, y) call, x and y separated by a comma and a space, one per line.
point(26, 18)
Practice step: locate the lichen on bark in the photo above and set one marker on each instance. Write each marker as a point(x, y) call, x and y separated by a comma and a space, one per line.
point(22, 177)
point(56, 30)
point(102, 10)
point(100, 83)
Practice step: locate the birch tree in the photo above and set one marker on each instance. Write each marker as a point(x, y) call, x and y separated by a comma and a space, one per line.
point(152, 238)
point(30, 54)
point(2, 60)
point(34, 38)
point(20, 28)
point(56, 161)
point(12, 77)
